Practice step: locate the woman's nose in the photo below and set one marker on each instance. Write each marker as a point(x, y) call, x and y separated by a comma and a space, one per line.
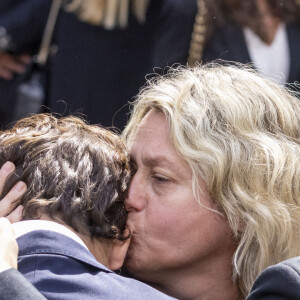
point(135, 200)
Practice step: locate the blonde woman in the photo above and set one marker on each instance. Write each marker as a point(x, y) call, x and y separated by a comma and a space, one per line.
point(215, 194)
point(215, 197)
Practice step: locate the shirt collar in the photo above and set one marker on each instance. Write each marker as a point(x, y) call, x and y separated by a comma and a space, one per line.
point(24, 227)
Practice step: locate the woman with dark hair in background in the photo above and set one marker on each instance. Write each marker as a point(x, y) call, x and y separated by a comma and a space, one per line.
point(265, 33)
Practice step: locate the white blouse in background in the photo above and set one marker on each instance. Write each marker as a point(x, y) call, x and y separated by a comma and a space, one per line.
point(272, 61)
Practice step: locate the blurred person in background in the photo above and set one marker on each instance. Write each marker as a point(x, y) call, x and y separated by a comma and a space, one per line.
point(264, 33)
point(15, 54)
point(261, 33)
point(104, 50)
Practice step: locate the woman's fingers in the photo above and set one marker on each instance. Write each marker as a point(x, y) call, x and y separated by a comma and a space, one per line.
point(6, 169)
point(16, 215)
point(9, 246)
point(11, 200)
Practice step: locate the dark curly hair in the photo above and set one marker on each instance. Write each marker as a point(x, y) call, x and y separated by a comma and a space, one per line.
point(75, 172)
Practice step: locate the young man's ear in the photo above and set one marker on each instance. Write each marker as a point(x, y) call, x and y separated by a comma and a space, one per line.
point(117, 254)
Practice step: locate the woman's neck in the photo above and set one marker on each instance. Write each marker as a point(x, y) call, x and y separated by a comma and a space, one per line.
point(211, 280)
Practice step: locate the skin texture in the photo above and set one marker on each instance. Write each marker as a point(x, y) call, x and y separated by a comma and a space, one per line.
point(9, 205)
point(12, 64)
point(173, 235)
point(9, 246)
point(270, 23)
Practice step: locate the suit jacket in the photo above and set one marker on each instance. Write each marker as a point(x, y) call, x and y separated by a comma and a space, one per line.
point(97, 71)
point(228, 43)
point(278, 282)
point(13, 286)
point(61, 268)
point(19, 17)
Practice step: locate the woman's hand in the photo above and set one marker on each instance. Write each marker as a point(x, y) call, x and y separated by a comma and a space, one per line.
point(9, 205)
point(9, 246)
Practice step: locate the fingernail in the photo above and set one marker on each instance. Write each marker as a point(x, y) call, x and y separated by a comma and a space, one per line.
point(8, 167)
point(20, 186)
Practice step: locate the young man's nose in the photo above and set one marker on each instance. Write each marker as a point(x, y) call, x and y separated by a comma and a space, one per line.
point(135, 200)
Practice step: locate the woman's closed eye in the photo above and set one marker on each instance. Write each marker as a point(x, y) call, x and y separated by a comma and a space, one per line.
point(160, 178)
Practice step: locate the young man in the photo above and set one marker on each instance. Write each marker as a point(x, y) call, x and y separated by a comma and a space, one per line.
point(73, 231)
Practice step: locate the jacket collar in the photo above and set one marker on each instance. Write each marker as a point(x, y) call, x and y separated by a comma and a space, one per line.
point(50, 242)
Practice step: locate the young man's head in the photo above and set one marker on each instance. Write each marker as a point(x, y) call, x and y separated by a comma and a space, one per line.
point(230, 140)
point(76, 174)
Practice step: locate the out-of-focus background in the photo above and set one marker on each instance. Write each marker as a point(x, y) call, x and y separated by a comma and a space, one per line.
point(102, 50)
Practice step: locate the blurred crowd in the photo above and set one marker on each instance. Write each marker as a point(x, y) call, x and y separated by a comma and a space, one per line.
point(103, 51)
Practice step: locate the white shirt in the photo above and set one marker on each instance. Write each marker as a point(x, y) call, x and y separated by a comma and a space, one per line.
point(24, 227)
point(272, 61)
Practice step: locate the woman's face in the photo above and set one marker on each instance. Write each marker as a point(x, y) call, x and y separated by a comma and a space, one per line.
point(172, 232)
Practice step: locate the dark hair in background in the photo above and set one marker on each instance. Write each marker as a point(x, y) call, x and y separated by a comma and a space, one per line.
point(75, 172)
point(245, 12)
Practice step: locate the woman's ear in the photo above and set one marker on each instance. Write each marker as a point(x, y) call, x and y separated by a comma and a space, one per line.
point(117, 254)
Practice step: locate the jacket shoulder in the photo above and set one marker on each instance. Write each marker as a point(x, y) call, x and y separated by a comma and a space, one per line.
point(278, 282)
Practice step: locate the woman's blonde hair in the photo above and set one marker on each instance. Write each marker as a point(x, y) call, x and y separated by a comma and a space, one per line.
point(241, 134)
point(108, 13)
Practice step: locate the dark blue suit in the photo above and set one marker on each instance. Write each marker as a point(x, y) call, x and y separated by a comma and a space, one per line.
point(61, 268)
point(278, 282)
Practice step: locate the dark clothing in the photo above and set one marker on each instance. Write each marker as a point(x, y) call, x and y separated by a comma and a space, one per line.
point(278, 282)
point(24, 21)
point(6, 5)
point(96, 71)
point(173, 34)
point(61, 268)
point(13, 286)
point(228, 43)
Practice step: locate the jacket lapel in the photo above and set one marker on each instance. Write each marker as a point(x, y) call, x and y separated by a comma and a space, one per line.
point(237, 44)
point(293, 32)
